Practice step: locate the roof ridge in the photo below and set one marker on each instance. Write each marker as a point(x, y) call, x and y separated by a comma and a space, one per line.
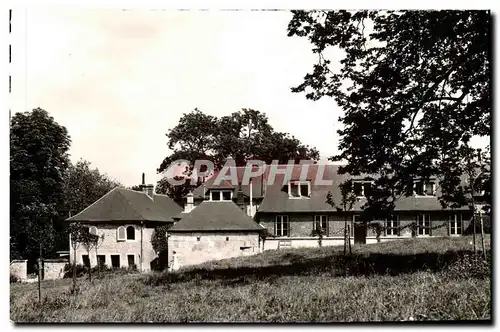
point(88, 207)
point(132, 205)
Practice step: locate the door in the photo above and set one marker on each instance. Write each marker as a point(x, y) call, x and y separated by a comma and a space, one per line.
point(359, 233)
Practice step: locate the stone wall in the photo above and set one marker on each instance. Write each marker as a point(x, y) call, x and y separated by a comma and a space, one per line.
point(110, 245)
point(54, 268)
point(19, 268)
point(198, 247)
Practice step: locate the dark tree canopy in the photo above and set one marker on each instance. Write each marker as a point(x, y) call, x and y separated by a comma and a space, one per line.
point(414, 87)
point(38, 160)
point(84, 185)
point(241, 136)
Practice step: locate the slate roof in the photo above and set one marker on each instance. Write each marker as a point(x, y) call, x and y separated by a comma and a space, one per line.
point(122, 204)
point(216, 216)
point(276, 200)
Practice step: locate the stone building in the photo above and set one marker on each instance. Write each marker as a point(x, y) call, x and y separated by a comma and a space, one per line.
point(125, 220)
point(213, 230)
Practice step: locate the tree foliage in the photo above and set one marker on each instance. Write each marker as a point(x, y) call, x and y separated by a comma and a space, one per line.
point(241, 136)
point(38, 160)
point(414, 87)
point(83, 185)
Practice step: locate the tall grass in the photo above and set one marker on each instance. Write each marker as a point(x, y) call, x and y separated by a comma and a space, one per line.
point(300, 293)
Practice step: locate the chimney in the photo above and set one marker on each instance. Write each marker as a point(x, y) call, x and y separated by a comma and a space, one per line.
point(240, 197)
point(189, 203)
point(147, 188)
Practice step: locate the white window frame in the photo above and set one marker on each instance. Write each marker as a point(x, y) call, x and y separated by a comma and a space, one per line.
point(322, 218)
point(362, 182)
point(125, 239)
point(221, 196)
point(427, 217)
point(424, 194)
point(454, 221)
point(280, 231)
point(93, 227)
point(389, 225)
point(299, 183)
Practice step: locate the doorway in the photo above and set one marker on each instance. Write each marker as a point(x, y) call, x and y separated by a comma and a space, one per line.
point(359, 233)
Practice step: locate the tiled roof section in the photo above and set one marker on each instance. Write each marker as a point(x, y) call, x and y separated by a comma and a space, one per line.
point(276, 200)
point(128, 205)
point(216, 216)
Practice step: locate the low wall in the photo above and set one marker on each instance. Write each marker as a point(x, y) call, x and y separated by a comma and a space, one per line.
point(19, 268)
point(54, 268)
point(312, 242)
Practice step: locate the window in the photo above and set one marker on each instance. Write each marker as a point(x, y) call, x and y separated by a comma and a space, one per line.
point(121, 234)
point(282, 226)
point(86, 260)
point(424, 188)
point(299, 189)
point(131, 261)
point(392, 225)
point(321, 222)
point(362, 188)
point(221, 195)
point(198, 238)
point(227, 238)
point(226, 195)
point(130, 233)
point(93, 230)
point(101, 260)
point(115, 261)
point(456, 224)
point(424, 224)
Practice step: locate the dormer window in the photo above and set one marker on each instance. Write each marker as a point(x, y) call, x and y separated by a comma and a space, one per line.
point(221, 195)
point(362, 188)
point(422, 188)
point(298, 189)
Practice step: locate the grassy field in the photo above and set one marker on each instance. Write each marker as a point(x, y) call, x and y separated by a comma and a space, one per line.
point(408, 280)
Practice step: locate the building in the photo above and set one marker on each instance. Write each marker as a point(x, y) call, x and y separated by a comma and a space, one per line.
point(213, 230)
point(125, 220)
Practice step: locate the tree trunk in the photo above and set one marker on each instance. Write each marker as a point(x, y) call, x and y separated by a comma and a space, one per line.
point(90, 268)
point(74, 269)
point(482, 235)
point(474, 226)
point(345, 236)
point(40, 275)
point(349, 235)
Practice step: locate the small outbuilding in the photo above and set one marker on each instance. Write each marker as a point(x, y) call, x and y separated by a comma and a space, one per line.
point(213, 230)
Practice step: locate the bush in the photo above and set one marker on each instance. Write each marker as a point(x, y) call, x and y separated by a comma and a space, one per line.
point(13, 278)
point(469, 266)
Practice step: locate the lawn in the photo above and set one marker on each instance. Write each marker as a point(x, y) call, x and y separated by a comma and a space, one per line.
point(407, 280)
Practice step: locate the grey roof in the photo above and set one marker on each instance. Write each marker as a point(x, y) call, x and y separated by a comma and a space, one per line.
point(277, 201)
point(216, 216)
point(257, 185)
point(122, 204)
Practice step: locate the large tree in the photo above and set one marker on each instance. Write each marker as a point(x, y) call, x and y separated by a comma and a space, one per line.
point(83, 185)
point(38, 159)
point(241, 136)
point(414, 87)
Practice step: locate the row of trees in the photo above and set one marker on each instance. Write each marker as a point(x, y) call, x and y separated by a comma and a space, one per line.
point(45, 187)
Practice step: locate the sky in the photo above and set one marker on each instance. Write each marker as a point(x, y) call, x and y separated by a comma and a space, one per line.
point(119, 79)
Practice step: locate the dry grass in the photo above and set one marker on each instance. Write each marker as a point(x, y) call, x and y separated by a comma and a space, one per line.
point(270, 288)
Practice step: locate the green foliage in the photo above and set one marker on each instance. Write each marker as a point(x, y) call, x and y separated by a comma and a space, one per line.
point(13, 278)
point(38, 159)
point(414, 87)
point(242, 136)
point(159, 238)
